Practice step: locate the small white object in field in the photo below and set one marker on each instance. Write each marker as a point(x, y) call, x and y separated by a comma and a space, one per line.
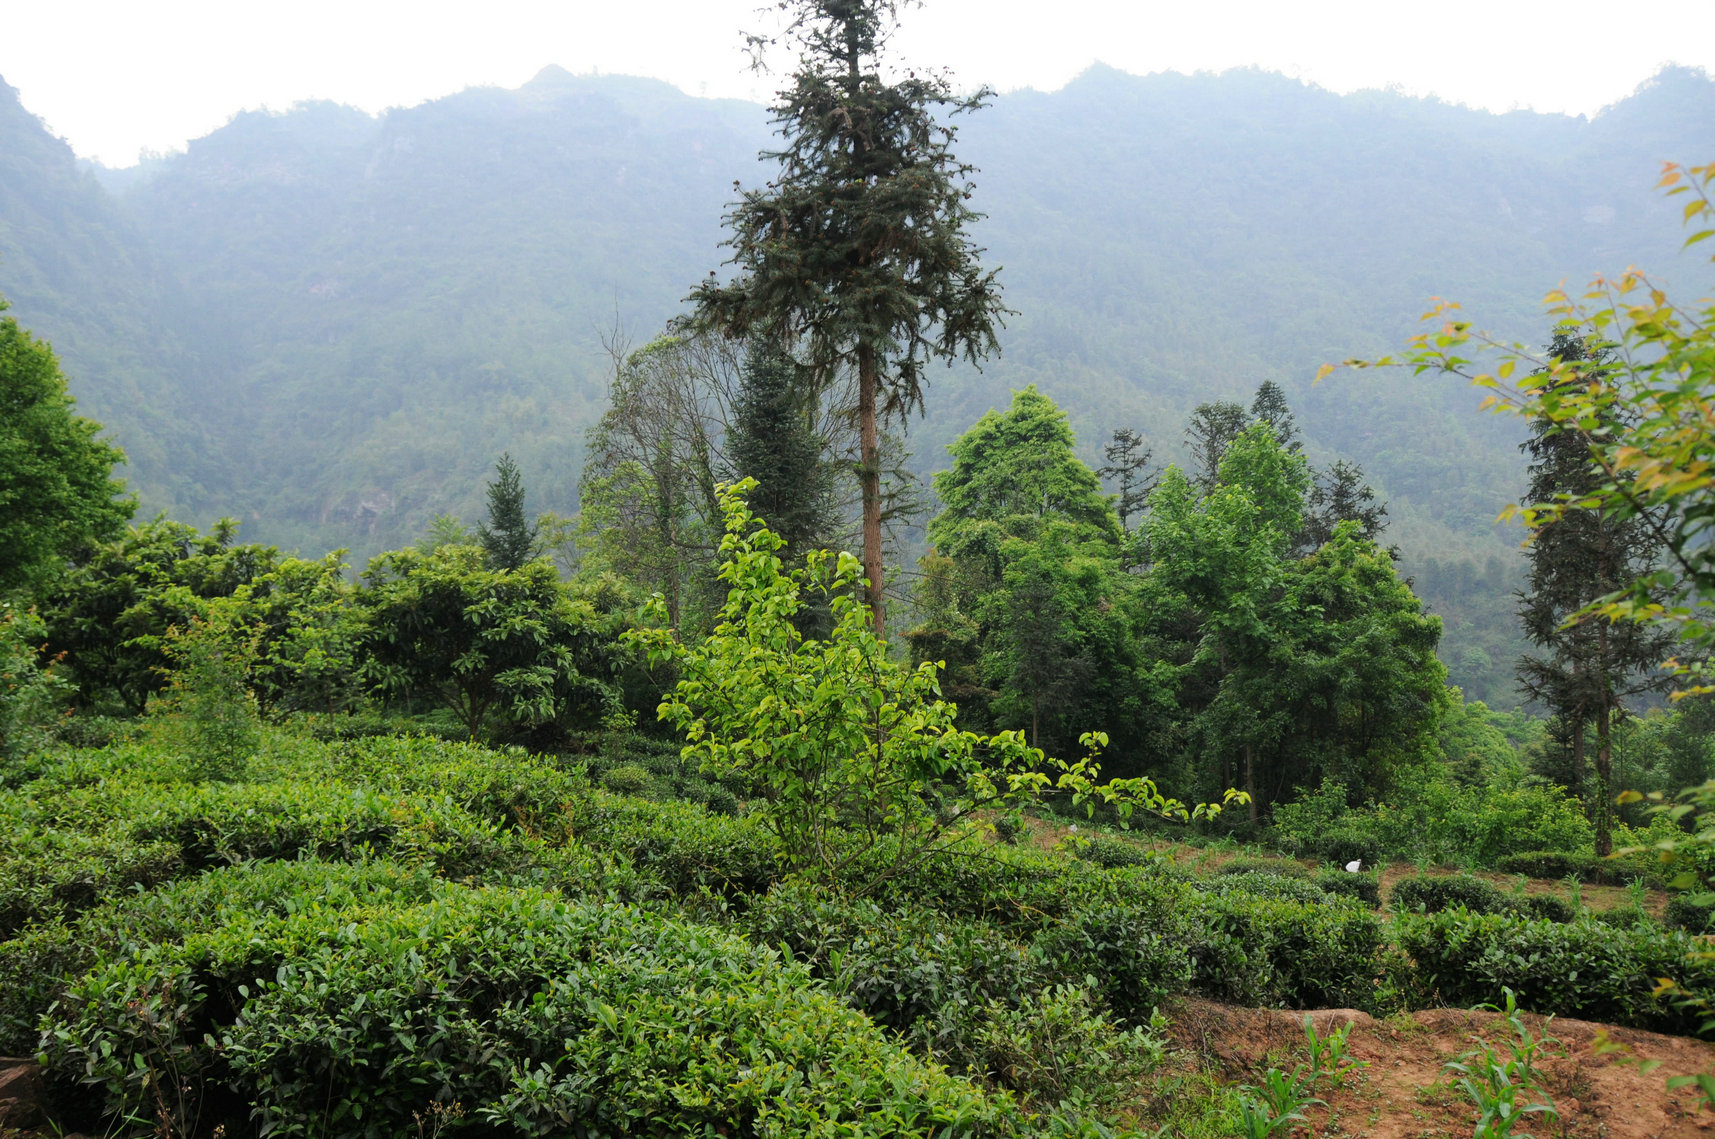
point(1354, 865)
point(1074, 826)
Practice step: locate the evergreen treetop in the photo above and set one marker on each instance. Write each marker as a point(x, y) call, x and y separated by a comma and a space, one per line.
point(508, 537)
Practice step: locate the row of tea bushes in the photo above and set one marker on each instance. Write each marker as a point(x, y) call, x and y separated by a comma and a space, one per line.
point(1584, 968)
point(357, 1017)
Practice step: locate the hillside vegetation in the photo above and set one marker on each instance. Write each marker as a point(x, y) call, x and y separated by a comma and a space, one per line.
point(329, 325)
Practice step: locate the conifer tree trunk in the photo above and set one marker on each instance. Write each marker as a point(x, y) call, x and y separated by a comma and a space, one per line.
point(1250, 779)
point(869, 476)
point(1604, 813)
point(1604, 754)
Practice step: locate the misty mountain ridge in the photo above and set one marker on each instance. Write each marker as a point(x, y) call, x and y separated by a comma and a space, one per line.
point(330, 323)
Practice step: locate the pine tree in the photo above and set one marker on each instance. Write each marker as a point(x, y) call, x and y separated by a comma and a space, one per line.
point(1588, 669)
point(1270, 407)
point(508, 537)
point(1211, 430)
point(1339, 494)
point(857, 251)
point(770, 440)
point(1128, 463)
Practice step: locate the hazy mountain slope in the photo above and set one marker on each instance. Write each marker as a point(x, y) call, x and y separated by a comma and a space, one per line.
point(381, 305)
point(77, 273)
point(399, 300)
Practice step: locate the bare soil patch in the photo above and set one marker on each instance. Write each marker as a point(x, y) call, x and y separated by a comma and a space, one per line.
point(1405, 1093)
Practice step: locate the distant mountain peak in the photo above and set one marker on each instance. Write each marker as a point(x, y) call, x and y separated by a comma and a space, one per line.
point(552, 75)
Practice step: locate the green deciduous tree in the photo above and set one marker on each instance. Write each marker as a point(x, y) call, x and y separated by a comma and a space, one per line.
point(856, 253)
point(110, 614)
point(1225, 553)
point(1025, 598)
point(208, 709)
point(863, 767)
point(33, 696)
point(58, 496)
point(649, 511)
point(485, 642)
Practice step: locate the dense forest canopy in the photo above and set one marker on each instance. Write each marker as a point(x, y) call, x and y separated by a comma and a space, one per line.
point(331, 324)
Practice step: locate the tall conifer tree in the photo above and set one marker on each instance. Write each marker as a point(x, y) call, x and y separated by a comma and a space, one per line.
point(508, 537)
point(771, 440)
point(857, 250)
point(1588, 669)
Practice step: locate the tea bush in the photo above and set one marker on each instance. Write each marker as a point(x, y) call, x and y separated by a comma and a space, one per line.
point(628, 779)
point(35, 965)
point(1131, 943)
point(1264, 885)
point(1111, 853)
point(537, 1015)
point(1276, 866)
point(1365, 887)
point(1436, 819)
point(1433, 894)
point(1282, 952)
point(1583, 968)
point(1689, 912)
point(909, 969)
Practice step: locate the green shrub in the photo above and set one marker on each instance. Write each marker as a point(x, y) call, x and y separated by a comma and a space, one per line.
point(36, 964)
point(1435, 893)
point(1693, 913)
point(51, 873)
point(628, 779)
point(1058, 1046)
point(1281, 952)
point(685, 846)
point(1110, 853)
point(1582, 969)
point(1008, 828)
point(1365, 887)
point(1275, 866)
point(1131, 943)
point(1546, 907)
point(1264, 885)
point(908, 969)
point(527, 1011)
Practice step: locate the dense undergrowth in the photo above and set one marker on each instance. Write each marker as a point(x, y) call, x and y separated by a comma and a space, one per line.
point(377, 935)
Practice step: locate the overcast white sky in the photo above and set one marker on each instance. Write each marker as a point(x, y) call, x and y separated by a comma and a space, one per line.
point(114, 76)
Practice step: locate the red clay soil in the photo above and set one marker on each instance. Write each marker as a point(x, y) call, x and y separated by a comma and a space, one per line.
point(1405, 1093)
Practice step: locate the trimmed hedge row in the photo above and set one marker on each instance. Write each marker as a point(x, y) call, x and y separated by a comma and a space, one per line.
point(1584, 968)
point(35, 966)
point(539, 1016)
point(1434, 894)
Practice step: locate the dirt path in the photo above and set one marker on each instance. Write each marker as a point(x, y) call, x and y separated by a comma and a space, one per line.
point(1404, 1093)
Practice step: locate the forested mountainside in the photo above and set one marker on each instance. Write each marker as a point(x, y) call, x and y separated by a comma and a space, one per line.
point(330, 324)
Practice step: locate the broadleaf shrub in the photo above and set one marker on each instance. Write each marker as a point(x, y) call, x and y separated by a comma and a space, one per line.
point(537, 1015)
point(1366, 888)
point(1435, 893)
point(1583, 968)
